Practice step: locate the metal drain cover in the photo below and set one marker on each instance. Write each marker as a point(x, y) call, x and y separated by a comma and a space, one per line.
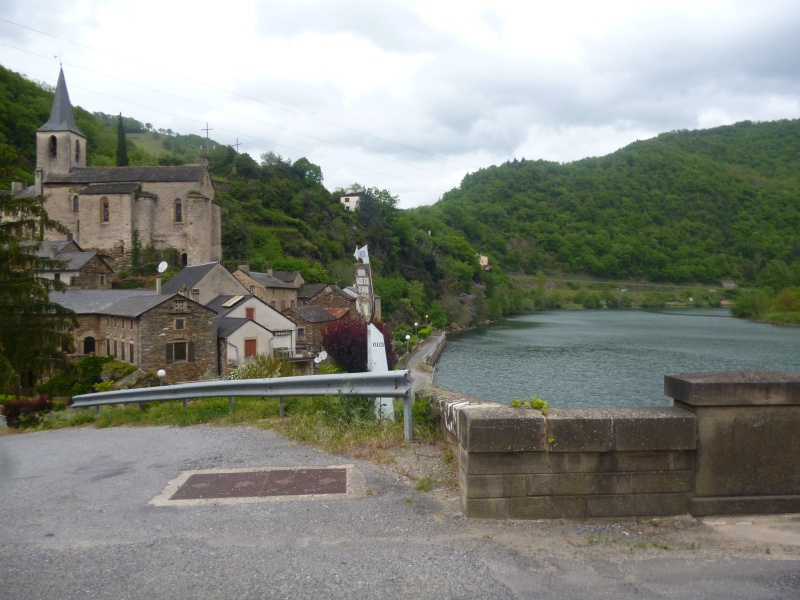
point(232, 486)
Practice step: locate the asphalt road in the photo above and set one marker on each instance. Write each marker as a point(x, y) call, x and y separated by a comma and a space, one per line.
point(76, 522)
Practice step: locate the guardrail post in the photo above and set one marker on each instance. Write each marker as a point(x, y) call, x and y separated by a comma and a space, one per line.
point(282, 413)
point(408, 403)
point(230, 405)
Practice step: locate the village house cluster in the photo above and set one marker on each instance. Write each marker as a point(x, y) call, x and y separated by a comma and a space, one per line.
point(202, 322)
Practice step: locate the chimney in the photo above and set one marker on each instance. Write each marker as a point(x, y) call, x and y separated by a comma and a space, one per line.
point(245, 268)
point(269, 272)
point(158, 284)
point(16, 187)
point(53, 251)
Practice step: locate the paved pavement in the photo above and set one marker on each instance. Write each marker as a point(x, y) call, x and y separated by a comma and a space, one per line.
point(76, 522)
point(421, 376)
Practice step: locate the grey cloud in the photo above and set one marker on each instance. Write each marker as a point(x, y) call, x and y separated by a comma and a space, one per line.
point(388, 25)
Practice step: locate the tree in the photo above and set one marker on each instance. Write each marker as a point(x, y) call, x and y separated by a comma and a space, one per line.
point(346, 342)
point(33, 330)
point(122, 144)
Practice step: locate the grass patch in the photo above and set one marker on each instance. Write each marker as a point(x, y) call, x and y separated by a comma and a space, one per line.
point(338, 425)
point(425, 484)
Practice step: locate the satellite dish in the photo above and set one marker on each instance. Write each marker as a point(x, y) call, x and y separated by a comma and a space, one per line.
point(317, 360)
point(162, 266)
point(323, 355)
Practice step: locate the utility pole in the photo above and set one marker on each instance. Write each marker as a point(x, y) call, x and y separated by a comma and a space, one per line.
point(208, 147)
point(237, 144)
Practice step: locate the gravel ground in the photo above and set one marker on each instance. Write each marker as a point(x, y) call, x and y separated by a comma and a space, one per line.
point(75, 522)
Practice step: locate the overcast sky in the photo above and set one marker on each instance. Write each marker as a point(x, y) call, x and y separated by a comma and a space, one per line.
point(412, 95)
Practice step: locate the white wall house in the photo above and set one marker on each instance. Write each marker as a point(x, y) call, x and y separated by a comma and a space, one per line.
point(350, 201)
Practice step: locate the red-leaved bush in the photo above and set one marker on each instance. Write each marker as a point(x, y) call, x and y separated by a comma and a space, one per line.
point(346, 342)
point(23, 412)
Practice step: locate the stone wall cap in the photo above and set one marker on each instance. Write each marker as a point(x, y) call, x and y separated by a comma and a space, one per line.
point(733, 388)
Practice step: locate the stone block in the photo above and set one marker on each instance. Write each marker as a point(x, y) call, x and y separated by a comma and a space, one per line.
point(569, 507)
point(493, 486)
point(531, 507)
point(653, 428)
point(744, 505)
point(733, 388)
point(580, 430)
point(682, 461)
point(636, 505)
point(485, 508)
point(578, 484)
point(501, 463)
point(748, 451)
point(498, 428)
point(621, 462)
point(662, 482)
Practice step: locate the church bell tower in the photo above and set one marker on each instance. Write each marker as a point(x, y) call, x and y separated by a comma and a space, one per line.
point(60, 145)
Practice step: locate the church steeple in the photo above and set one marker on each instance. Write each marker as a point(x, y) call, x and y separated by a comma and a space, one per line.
point(60, 145)
point(61, 115)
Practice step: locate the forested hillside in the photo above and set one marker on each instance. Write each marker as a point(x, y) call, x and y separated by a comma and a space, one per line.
point(685, 206)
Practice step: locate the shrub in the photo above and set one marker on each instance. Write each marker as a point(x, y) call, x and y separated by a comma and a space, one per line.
point(346, 342)
point(26, 412)
point(424, 333)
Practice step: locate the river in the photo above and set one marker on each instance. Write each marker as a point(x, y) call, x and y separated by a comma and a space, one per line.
point(597, 358)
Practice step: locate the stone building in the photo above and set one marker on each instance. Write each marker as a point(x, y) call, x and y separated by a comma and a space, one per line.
point(107, 209)
point(151, 331)
point(203, 283)
point(311, 320)
point(75, 268)
point(279, 294)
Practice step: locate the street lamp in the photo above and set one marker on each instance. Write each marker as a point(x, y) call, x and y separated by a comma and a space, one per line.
point(415, 328)
point(161, 374)
point(408, 338)
point(426, 320)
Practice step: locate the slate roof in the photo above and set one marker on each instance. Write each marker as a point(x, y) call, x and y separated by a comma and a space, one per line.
point(110, 188)
point(313, 314)
point(227, 325)
point(309, 290)
point(188, 277)
point(86, 302)
point(128, 174)
point(286, 276)
point(269, 281)
point(73, 260)
point(216, 303)
point(61, 116)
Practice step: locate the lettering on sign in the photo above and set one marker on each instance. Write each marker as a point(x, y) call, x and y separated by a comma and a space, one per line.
point(377, 344)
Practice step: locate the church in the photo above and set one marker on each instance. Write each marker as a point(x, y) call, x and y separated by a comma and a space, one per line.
point(107, 208)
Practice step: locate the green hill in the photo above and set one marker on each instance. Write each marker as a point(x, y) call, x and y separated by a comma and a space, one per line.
point(685, 206)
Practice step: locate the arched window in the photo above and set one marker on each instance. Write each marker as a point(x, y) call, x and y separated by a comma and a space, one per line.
point(53, 146)
point(77, 151)
point(105, 210)
point(89, 345)
point(75, 203)
point(178, 211)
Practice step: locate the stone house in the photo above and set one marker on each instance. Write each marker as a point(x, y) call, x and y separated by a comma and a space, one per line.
point(202, 283)
point(279, 294)
point(239, 341)
point(311, 320)
point(151, 331)
point(106, 209)
point(76, 268)
point(294, 278)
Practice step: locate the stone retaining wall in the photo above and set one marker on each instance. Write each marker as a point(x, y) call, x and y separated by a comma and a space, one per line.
point(571, 463)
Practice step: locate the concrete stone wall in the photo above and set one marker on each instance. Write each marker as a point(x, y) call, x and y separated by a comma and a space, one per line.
point(712, 453)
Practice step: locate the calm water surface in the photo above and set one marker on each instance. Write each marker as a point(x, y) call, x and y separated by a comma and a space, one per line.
point(608, 357)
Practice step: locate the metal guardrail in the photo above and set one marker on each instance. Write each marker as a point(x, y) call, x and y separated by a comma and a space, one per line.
point(393, 384)
point(432, 352)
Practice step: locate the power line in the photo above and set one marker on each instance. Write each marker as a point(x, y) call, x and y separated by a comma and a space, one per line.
point(237, 115)
point(278, 106)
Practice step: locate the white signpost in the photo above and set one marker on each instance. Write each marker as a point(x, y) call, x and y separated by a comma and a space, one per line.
point(376, 344)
